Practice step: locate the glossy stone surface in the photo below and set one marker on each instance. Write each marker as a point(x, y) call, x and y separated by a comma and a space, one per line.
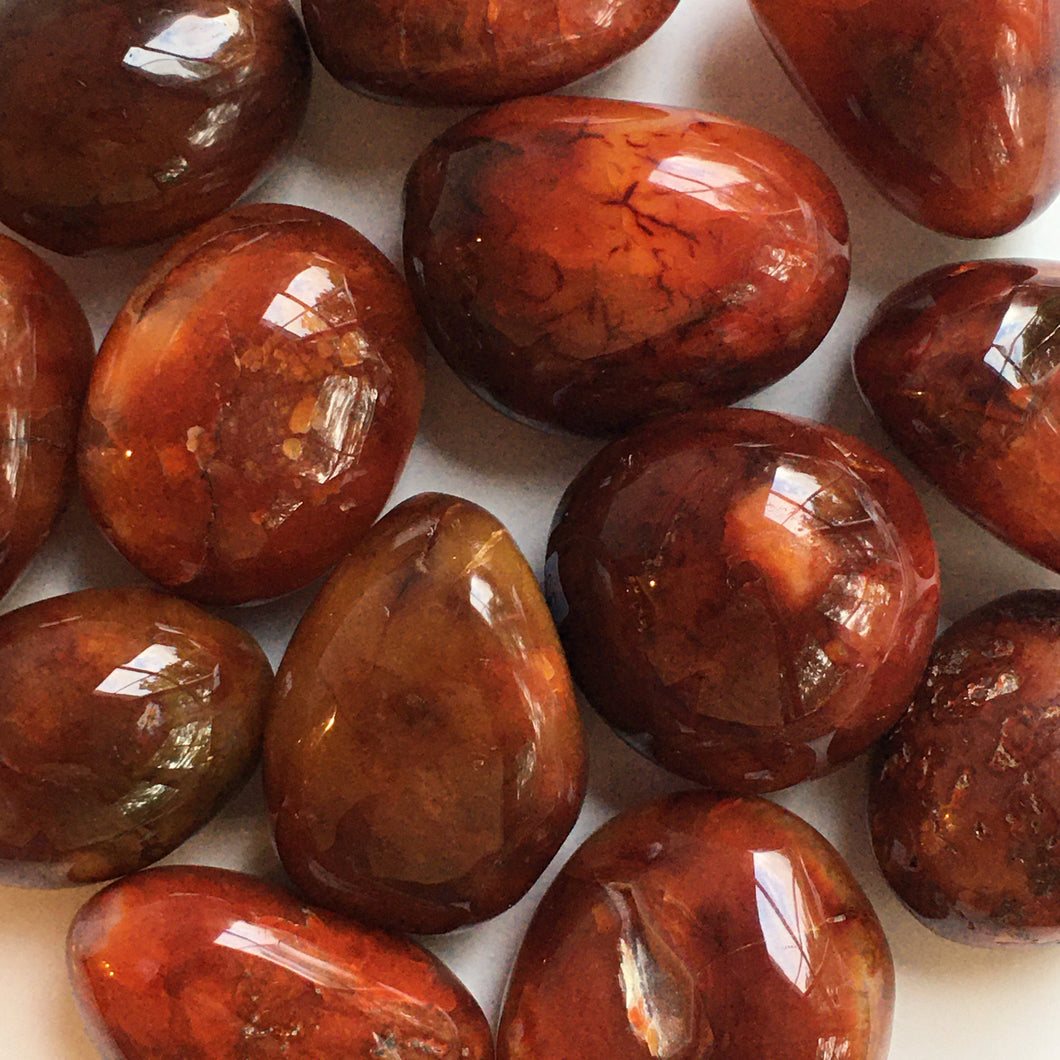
point(46, 351)
point(424, 756)
point(701, 927)
point(959, 366)
point(188, 962)
point(748, 598)
point(444, 51)
point(128, 718)
point(253, 405)
point(952, 110)
point(965, 795)
point(127, 121)
point(588, 263)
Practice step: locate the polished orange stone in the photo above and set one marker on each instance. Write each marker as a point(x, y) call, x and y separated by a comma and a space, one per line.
point(189, 962)
point(424, 756)
point(127, 121)
point(951, 109)
point(588, 263)
point(46, 351)
point(253, 405)
point(748, 598)
point(699, 927)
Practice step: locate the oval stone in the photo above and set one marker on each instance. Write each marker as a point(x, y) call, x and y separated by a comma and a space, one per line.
point(748, 598)
point(959, 367)
point(186, 962)
point(949, 109)
point(424, 756)
point(588, 263)
point(253, 405)
point(435, 51)
point(129, 121)
point(700, 926)
point(128, 719)
point(965, 794)
point(46, 351)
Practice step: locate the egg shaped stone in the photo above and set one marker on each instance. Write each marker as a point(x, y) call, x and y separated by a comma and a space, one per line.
point(437, 51)
point(424, 756)
point(699, 926)
point(253, 405)
point(748, 598)
point(189, 961)
point(128, 719)
point(46, 351)
point(124, 122)
point(960, 368)
point(587, 263)
point(965, 795)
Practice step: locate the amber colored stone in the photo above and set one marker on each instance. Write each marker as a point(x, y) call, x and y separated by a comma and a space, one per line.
point(424, 756)
point(699, 927)
point(959, 367)
point(588, 263)
point(253, 405)
point(190, 963)
point(965, 795)
point(951, 109)
point(748, 598)
point(46, 351)
point(127, 121)
point(449, 52)
point(128, 718)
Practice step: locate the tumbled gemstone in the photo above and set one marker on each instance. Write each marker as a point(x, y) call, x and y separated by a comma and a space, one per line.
point(435, 51)
point(748, 598)
point(699, 926)
point(959, 367)
point(950, 109)
point(965, 795)
point(46, 351)
point(190, 962)
point(588, 263)
point(424, 756)
point(128, 718)
point(126, 121)
point(253, 405)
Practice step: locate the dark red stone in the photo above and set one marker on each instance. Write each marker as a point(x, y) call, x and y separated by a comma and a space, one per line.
point(965, 796)
point(194, 963)
point(127, 720)
point(959, 366)
point(701, 927)
point(952, 110)
point(748, 598)
point(445, 51)
point(46, 351)
point(588, 263)
point(424, 756)
point(253, 405)
point(128, 121)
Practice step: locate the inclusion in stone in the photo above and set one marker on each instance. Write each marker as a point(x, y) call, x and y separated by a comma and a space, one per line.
point(46, 351)
point(749, 599)
point(128, 718)
point(424, 757)
point(965, 795)
point(960, 368)
point(439, 51)
point(700, 926)
point(253, 405)
point(186, 962)
point(952, 110)
point(589, 263)
point(127, 121)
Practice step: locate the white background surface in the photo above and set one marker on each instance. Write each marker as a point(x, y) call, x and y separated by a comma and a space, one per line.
point(953, 1003)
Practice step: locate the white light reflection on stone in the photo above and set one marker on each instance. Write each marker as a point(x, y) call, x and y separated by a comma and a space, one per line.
point(186, 49)
point(786, 922)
